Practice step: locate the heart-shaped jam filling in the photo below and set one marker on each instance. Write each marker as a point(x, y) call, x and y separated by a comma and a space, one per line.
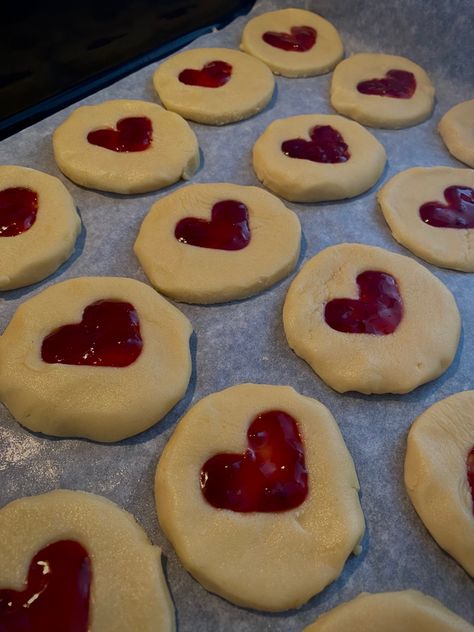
point(108, 335)
point(378, 310)
point(470, 474)
point(326, 145)
point(269, 476)
point(56, 595)
point(399, 84)
point(212, 75)
point(133, 133)
point(18, 208)
point(457, 213)
point(300, 39)
point(228, 229)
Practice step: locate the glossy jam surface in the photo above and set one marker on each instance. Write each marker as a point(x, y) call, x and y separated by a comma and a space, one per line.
point(398, 84)
point(228, 228)
point(457, 213)
point(56, 593)
point(470, 474)
point(300, 39)
point(213, 75)
point(378, 310)
point(134, 133)
point(108, 335)
point(18, 208)
point(271, 474)
point(326, 145)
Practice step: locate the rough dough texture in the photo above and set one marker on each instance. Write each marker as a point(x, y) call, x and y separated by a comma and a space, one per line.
point(375, 110)
point(400, 200)
point(248, 90)
point(301, 180)
point(404, 611)
point(269, 561)
point(100, 403)
point(206, 275)
point(128, 590)
point(420, 349)
point(439, 442)
point(457, 131)
point(321, 58)
point(40, 250)
point(173, 153)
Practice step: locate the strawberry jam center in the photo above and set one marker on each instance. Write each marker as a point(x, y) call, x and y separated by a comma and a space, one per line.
point(269, 476)
point(457, 213)
point(398, 84)
point(300, 39)
point(213, 75)
point(18, 209)
point(132, 134)
point(470, 474)
point(326, 145)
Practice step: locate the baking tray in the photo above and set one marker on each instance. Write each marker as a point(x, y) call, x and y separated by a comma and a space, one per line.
point(244, 341)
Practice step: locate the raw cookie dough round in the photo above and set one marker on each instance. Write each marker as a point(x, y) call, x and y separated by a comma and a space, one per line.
point(400, 200)
point(403, 611)
point(128, 590)
point(436, 474)
point(196, 274)
point(303, 180)
point(266, 560)
point(374, 109)
point(317, 60)
point(246, 92)
point(172, 154)
point(457, 131)
point(39, 250)
point(104, 403)
point(422, 346)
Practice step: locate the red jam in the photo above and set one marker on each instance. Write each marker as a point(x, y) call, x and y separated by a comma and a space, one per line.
point(213, 75)
point(133, 133)
point(378, 310)
point(300, 39)
point(398, 84)
point(18, 208)
point(326, 145)
point(269, 476)
point(470, 474)
point(108, 335)
point(228, 229)
point(56, 593)
point(457, 213)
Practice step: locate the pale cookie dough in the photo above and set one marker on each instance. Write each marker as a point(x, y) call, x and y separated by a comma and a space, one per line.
point(248, 90)
point(36, 253)
point(457, 131)
point(98, 402)
point(301, 180)
point(196, 274)
point(173, 153)
point(376, 110)
point(420, 349)
point(439, 443)
point(403, 611)
point(400, 200)
point(319, 59)
point(128, 590)
point(269, 561)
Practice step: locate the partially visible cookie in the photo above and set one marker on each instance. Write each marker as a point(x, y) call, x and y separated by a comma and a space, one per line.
point(382, 90)
point(293, 42)
point(457, 131)
point(125, 146)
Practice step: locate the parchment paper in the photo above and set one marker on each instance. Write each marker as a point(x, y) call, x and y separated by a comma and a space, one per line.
point(244, 341)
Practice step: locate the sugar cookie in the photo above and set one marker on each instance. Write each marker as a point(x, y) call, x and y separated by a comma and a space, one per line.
point(457, 131)
point(266, 533)
point(369, 320)
point(82, 560)
point(97, 357)
point(293, 42)
point(208, 243)
point(38, 226)
point(317, 157)
point(439, 474)
point(382, 90)
point(430, 211)
point(214, 85)
point(125, 146)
